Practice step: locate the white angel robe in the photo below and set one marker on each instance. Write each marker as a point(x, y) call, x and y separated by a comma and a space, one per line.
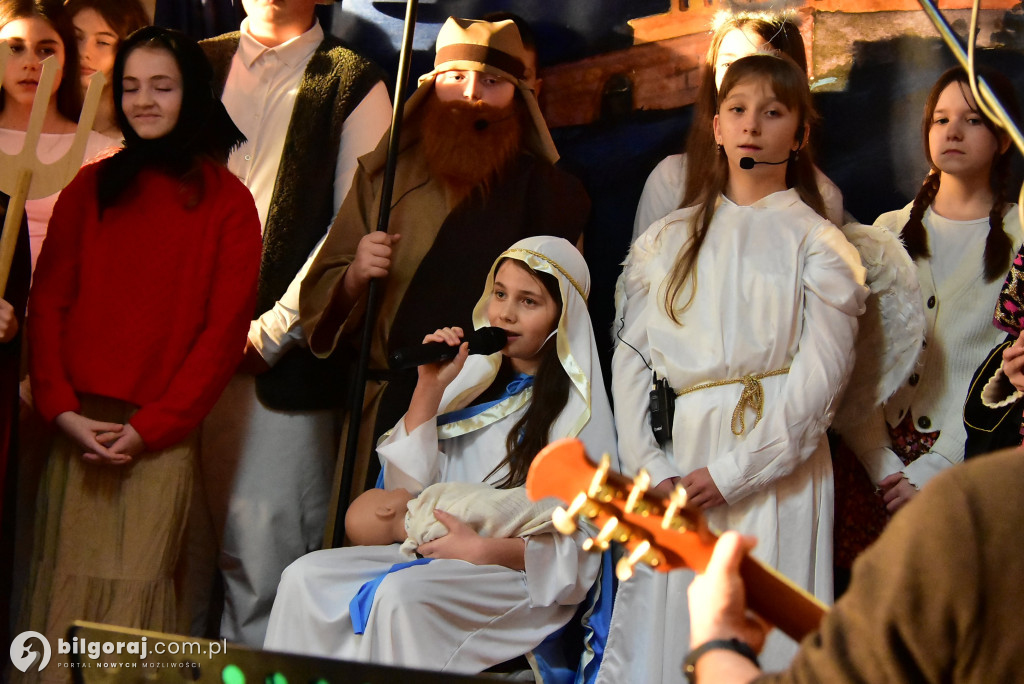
point(777, 287)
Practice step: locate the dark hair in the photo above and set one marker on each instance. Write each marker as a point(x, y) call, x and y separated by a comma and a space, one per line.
point(998, 246)
point(531, 433)
point(204, 131)
point(789, 85)
point(123, 16)
point(782, 34)
point(69, 92)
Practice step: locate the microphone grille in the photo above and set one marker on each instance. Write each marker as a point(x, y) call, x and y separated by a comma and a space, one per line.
point(487, 340)
point(747, 163)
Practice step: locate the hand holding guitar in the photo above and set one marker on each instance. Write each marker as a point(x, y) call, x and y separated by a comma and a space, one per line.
point(665, 533)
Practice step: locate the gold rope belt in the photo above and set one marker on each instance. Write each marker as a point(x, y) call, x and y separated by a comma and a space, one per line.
point(752, 395)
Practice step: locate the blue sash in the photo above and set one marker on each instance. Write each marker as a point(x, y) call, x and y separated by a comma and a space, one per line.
point(360, 605)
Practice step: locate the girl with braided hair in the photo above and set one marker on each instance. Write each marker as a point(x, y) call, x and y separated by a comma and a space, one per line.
point(961, 232)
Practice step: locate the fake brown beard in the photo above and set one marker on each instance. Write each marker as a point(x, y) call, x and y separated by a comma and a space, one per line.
point(468, 143)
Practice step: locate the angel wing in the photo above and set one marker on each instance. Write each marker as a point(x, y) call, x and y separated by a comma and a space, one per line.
point(891, 331)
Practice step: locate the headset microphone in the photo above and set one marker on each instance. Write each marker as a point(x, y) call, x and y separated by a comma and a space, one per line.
point(749, 162)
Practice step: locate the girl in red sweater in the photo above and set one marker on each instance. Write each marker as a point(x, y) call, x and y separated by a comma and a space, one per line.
point(139, 308)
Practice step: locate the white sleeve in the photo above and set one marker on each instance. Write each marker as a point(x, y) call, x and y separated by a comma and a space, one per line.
point(870, 440)
point(947, 451)
point(558, 570)
point(927, 466)
point(412, 461)
point(278, 330)
point(663, 193)
point(794, 423)
point(631, 378)
point(362, 131)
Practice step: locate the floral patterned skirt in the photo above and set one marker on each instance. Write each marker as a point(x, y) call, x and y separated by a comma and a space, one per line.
point(860, 513)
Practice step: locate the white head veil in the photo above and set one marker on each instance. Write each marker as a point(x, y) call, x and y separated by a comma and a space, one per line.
point(587, 413)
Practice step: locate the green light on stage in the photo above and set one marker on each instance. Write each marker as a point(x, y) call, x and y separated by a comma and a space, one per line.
point(277, 678)
point(232, 674)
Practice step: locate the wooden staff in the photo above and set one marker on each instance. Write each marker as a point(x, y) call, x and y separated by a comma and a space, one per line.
point(373, 295)
point(23, 176)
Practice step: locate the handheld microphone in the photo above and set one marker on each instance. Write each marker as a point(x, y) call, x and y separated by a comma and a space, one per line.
point(482, 341)
point(748, 162)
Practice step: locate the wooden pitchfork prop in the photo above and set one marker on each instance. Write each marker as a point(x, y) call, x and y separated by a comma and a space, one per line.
point(23, 176)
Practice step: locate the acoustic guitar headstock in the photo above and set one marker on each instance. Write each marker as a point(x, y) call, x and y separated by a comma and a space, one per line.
point(662, 532)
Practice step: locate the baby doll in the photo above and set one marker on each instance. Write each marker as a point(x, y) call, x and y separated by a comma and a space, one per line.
point(382, 516)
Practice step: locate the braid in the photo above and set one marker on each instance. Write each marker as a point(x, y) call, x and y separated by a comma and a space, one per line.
point(998, 246)
point(915, 239)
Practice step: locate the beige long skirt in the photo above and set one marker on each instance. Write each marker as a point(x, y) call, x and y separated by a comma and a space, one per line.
point(108, 537)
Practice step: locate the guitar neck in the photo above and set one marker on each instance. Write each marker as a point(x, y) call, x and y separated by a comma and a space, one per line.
point(778, 600)
point(663, 532)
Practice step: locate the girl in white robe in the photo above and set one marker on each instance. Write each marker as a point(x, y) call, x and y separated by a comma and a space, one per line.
point(450, 614)
point(756, 341)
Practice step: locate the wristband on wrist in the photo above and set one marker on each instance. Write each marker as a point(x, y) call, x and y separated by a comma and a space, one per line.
point(734, 645)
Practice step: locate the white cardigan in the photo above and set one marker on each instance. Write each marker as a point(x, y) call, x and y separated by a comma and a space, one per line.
point(959, 336)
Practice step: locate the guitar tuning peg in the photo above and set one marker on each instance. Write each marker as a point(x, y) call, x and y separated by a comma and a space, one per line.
point(600, 477)
point(676, 501)
point(609, 532)
point(641, 483)
point(624, 568)
point(565, 520)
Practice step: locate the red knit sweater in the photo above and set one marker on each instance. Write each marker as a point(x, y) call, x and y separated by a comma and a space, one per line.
point(151, 305)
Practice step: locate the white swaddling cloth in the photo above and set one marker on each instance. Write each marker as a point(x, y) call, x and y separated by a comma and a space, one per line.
point(498, 513)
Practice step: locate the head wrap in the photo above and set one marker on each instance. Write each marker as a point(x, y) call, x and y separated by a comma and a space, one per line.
point(204, 128)
point(587, 413)
point(493, 48)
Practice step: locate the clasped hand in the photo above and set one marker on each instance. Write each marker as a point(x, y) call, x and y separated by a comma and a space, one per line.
point(101, 442)
point(896, 491)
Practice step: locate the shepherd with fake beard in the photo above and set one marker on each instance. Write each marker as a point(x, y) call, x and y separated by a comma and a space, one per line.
point(475, 174)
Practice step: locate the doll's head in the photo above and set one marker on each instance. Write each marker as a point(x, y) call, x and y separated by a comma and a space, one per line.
point(35, 30)
point(377, 516)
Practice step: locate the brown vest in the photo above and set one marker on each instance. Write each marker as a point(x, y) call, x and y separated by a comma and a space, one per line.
point(335, 81)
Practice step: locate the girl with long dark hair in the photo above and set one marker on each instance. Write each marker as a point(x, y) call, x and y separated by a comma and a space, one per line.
point(479, 601)
point(139, 310)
